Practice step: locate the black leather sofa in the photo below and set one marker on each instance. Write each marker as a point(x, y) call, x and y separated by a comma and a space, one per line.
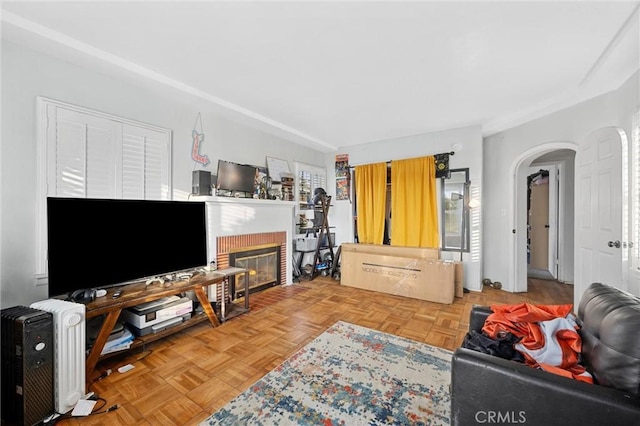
point(487, 389)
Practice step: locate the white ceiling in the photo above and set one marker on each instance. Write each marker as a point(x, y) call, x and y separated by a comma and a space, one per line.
point(331, 74)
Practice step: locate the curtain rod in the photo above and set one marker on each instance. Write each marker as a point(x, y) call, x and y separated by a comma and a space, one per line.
point(389, 161)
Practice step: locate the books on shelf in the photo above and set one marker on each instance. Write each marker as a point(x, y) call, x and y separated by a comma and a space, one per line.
point(118, 342)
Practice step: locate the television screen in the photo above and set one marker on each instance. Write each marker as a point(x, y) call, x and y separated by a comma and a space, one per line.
point(97, 243)
point(236, 177)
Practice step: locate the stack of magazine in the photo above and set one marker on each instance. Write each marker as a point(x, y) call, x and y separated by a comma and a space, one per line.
point(118, 341)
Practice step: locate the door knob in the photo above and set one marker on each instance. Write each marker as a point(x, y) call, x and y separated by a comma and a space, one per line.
point(615, 244)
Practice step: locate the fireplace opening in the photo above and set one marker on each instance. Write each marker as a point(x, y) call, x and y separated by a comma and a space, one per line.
point(263, 264)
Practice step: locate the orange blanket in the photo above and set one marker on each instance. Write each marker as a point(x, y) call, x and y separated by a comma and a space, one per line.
point(548, 336)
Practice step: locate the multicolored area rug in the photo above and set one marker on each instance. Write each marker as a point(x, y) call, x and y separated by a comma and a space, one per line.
point(349, 375)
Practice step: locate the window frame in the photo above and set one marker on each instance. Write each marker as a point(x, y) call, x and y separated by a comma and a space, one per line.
point(466, 223)
point(317, 179)
point(46, 160)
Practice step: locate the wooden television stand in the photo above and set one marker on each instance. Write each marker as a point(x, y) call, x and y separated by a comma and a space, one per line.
point(138, 293)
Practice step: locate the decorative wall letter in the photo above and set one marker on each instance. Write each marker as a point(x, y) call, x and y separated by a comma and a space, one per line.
point(198, 138)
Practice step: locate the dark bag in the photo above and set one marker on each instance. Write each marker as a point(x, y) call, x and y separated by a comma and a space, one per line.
point(502, 348)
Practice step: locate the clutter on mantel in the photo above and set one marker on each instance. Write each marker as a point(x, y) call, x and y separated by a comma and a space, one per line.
point(240, 200)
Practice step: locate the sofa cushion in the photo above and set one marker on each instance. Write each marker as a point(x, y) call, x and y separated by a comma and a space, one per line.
point(610, 321)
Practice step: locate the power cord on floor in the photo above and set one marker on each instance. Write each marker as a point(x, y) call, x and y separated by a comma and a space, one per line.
point(55, 418)
point(143, 354)
point(104, 375)
point(112, 408)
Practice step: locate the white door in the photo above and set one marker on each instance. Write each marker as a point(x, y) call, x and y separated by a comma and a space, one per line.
point(539, 223)
point(543, 219)
point(599, 211)
point(554, 223)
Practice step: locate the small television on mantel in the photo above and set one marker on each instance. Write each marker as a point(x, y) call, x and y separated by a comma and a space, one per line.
point(99, 243)
point(236, 177)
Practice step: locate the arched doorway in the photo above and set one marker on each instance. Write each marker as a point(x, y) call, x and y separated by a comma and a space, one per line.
point(562, 155)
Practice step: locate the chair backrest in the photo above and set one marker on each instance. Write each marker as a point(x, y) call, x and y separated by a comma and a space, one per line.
point(610, 330)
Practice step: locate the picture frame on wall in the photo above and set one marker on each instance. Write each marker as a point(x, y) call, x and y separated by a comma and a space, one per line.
point(276, 167)
point(343, 186)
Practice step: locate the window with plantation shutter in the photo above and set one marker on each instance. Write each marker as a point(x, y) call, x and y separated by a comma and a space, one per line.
point(145, 154)
point(80, 154)
point(319, 180)
point(88, 154)
point(308, 179)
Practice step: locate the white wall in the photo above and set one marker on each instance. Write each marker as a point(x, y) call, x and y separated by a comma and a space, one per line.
point(502, 151)
point(27, 74)
point(470, 155)
point(629, 105)
point(566, 251)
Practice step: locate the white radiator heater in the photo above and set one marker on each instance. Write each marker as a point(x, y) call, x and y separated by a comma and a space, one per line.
point(69, 351)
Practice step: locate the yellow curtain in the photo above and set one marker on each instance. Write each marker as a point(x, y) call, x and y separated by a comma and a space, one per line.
point(414, 205)
point(371, 193)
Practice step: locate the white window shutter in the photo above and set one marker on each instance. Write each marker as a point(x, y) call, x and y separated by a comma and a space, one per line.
point(145, 172)
point(68, 177)
point(99, 161)
point(157, 170)
point(319, 180)
point(89, 154)
point(132, 165)
point(84, 155)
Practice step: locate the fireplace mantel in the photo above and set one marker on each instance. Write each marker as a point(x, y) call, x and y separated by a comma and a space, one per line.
point(246, 201)
point(228, 216)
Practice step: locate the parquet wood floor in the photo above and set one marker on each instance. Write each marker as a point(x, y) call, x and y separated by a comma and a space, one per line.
point(183, 378)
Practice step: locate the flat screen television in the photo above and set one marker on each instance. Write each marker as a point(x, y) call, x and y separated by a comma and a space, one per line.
point(236, 177)
point(100, 243)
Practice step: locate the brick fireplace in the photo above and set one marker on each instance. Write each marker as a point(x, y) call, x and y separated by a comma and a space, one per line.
point(255, 250)
point(236, 223)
